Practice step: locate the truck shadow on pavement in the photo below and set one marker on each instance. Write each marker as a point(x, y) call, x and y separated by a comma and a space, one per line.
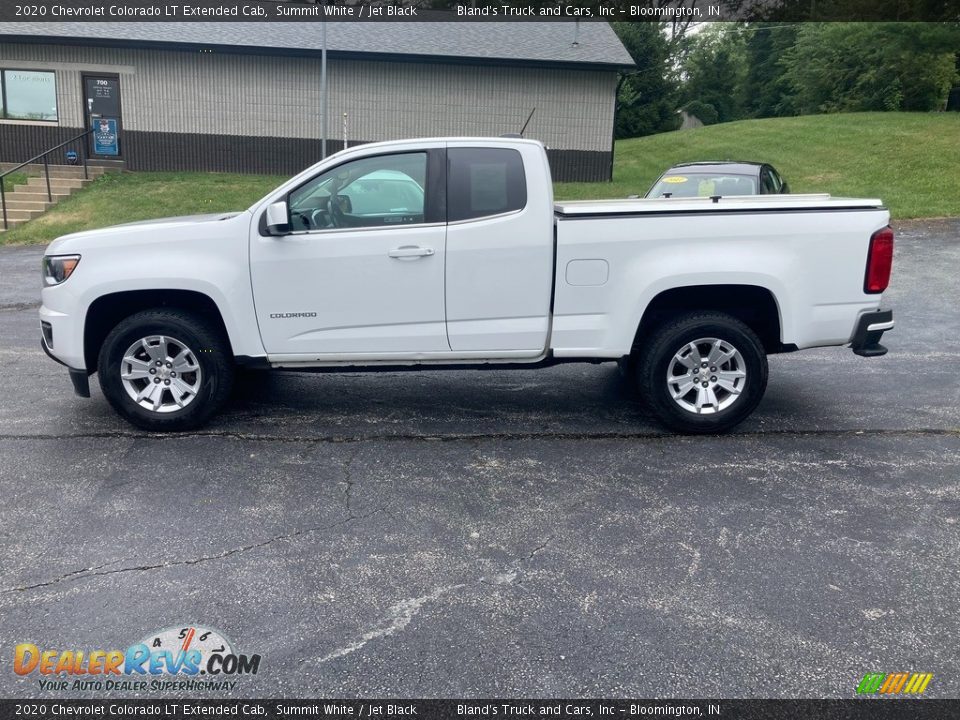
point(572, 399)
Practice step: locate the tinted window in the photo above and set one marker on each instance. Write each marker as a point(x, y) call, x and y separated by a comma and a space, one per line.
point(775, 179)
point(370, 192)
point(767, 183)
point(484, 181)
point(686, 184)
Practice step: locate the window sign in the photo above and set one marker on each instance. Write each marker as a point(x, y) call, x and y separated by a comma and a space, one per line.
point(105, 140)
point(29, 95)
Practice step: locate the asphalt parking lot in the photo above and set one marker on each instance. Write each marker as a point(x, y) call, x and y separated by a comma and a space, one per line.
point(505, 534)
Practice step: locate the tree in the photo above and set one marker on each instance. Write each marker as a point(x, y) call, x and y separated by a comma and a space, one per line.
point(715, 70)
point(766, 89)
point(646, 98)
point(704, 112)
point(851, 67)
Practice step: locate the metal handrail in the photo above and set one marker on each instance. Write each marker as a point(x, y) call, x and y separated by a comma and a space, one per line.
point(46, 170)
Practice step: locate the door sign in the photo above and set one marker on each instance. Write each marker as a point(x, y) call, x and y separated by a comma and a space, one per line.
point(105, 140)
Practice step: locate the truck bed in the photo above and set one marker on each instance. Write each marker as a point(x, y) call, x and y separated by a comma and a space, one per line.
point(614, 257)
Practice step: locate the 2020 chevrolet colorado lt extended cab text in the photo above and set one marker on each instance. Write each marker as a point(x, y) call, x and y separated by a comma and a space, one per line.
point(452, 253)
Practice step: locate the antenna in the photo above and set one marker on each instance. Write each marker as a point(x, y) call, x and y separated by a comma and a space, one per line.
point(527, 122)
point(520, 134)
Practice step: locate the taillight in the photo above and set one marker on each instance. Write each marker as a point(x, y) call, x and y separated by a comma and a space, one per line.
point(879, 261)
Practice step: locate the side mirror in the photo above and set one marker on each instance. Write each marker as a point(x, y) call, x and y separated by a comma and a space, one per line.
point(785, 190)
point(278, 218)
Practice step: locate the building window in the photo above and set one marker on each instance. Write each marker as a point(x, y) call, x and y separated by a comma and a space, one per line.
point(28, 95)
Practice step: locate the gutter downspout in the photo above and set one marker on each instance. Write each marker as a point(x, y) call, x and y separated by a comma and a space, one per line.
point(613, 132)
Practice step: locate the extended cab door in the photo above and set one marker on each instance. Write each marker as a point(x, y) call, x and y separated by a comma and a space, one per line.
point(362, 270)
point(499, 247)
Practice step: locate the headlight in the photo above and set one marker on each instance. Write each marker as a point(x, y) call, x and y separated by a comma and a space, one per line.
point(57, 268)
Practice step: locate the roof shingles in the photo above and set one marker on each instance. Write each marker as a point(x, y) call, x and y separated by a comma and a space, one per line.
point(586, 44)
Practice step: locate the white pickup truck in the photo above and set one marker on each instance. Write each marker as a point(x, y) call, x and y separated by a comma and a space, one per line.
point(452, 253)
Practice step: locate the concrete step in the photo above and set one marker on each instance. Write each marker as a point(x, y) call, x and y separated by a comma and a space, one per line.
point(74, 172)
point(15, 202)
point(72, 183)
point(36, 169)
point(32, 192)
point(23, 215)
point(11, 222)
point(109, 165)
point(28, 201)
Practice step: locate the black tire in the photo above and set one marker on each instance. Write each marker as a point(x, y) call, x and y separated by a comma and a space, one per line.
point(656, 360)
point(208, 346)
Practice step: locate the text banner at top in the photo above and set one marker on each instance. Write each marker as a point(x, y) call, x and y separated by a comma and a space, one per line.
point(685, 11)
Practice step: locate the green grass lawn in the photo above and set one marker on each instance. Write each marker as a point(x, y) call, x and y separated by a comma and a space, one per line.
point(115, 198)
point(909, 160)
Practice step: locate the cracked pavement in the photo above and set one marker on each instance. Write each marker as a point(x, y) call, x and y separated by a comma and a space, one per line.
point(504, 533)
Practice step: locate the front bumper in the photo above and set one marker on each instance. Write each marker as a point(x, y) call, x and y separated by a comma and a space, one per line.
point(870, 328)
point(79, 378)
point(61, 337)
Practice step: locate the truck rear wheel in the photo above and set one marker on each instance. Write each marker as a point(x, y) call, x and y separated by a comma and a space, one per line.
point(704, 372)
point(165, 370)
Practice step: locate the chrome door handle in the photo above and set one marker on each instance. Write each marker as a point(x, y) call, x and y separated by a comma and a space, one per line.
point(410, 251)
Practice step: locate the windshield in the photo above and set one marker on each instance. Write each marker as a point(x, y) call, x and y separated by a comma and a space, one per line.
point(693, 184)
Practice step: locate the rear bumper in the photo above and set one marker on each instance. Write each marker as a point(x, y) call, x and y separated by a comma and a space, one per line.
point(870, 328)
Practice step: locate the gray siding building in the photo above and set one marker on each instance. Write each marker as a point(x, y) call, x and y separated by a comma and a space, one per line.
point(247, 97)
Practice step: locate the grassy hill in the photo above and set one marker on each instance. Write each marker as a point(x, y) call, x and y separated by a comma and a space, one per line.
point(910, 160)
point(115, 198)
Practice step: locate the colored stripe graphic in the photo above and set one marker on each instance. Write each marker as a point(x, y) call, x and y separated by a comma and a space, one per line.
point(923, 679)
point(890, 683)
point(870, 683)
point(894, 683)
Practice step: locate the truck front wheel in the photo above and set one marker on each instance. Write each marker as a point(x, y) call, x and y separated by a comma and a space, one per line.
point(165, 370)
point(703, 372)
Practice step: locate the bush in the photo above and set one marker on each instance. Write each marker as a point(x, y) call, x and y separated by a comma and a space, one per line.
point(704, 112)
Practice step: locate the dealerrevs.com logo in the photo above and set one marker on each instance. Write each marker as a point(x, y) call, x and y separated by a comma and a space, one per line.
point(187, 658)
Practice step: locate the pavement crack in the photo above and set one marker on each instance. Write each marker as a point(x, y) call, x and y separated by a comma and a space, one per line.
point(398, 616)
point(99, 571)
point(542, 546)
point(68, 576)
point(348, 482)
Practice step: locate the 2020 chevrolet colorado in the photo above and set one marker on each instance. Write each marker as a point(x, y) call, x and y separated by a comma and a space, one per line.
point(452, 252)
